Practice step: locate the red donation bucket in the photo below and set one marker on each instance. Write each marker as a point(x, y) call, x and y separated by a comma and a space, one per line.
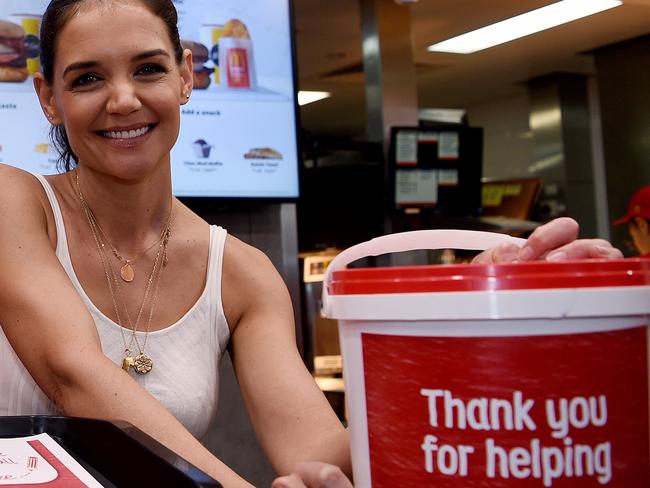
point(504, 375)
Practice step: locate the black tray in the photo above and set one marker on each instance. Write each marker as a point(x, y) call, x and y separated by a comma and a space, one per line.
point(116, 454)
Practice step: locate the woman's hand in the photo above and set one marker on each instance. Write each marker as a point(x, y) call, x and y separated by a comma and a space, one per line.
point(554, 241)
point(313, 475)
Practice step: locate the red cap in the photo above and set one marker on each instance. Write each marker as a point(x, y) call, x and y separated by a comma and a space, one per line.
point(639, 206)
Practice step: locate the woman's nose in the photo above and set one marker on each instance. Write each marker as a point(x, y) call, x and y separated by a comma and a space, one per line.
point(123, 99)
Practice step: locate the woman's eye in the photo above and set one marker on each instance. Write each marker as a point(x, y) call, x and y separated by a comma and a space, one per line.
point(85, 80)
point(150, 69)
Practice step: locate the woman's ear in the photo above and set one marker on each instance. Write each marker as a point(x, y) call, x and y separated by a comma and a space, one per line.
point(186, 76)
point(46, 99)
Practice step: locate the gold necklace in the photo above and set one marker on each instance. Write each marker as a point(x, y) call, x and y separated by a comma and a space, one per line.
point(142, 363)
point(127, 271)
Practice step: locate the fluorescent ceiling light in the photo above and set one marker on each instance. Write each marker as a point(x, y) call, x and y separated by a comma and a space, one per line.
point(449, 115)
point(305, 97)
point(523, 25)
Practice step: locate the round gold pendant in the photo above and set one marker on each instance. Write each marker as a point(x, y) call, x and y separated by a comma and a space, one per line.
point(142, 363)
point(127, 273)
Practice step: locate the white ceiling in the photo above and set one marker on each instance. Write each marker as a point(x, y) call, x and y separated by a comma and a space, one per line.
point(328, 39)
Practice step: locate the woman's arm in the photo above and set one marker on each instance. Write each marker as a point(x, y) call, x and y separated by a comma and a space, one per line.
point(54, 335)
point(291, 416)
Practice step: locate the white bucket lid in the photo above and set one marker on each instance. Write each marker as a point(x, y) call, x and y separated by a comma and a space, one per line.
point(581, 288)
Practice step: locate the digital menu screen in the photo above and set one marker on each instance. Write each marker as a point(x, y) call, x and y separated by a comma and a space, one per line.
point(238, 132)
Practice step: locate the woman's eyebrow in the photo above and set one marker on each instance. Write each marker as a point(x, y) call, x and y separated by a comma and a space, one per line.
point(150, 54)
point(93, 64)
point(79, 66)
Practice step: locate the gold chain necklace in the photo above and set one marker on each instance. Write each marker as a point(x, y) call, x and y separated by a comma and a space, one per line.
point(127, 271)
point(142, 363)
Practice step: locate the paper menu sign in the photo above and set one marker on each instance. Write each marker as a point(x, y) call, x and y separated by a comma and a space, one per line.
point(448, 145)
point(416, 187)
point(40, 460)
point(407, 148)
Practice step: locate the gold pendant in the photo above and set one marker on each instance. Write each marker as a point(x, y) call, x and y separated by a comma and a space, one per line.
point(142, 363)
point(127, 362)
point(127, 273)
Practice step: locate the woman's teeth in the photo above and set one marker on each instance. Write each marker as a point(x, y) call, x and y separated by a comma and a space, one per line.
point(127, 134)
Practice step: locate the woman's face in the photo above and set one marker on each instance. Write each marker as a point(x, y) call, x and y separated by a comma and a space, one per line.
point(117, 88)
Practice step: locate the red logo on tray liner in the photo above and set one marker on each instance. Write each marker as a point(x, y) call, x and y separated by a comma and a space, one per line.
point(65, 478)
point(537, 411)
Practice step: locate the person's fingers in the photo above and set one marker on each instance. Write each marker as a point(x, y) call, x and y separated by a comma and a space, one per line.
point(291, 481)
point(584, 249)
point(321, 475)
point(554, 241)
point(550, 236)
point(502, 253)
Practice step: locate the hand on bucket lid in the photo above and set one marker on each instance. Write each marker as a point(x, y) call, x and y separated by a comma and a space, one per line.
point(554, 241)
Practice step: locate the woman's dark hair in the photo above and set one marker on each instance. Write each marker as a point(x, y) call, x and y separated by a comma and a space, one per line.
point(57, 14)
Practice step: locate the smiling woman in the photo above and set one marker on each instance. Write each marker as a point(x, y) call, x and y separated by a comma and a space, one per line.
point(129, 278)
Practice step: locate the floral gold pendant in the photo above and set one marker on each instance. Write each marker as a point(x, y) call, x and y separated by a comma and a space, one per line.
point(142, 363)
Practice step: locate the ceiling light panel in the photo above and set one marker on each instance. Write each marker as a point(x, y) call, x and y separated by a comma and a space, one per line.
point(306, 97)
point(523, 25)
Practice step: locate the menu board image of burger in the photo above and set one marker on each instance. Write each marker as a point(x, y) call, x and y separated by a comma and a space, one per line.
point(20, 23)
point(13, 64)
point(16, 48)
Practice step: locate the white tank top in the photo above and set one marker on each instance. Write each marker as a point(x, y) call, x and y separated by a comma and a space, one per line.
point(185, 376)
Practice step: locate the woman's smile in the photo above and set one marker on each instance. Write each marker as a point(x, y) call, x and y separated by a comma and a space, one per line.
point(127, 136)
point(126, 133)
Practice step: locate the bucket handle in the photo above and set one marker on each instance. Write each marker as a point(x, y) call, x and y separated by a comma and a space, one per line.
point(412, 241)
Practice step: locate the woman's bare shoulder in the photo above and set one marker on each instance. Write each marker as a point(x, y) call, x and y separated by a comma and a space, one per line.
point(21, 190)
point(248, 278)
point(18, 182)
point(246, 268)
point(23, 202)
point(9, 172)
point(236, 249)
point(8, 169)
